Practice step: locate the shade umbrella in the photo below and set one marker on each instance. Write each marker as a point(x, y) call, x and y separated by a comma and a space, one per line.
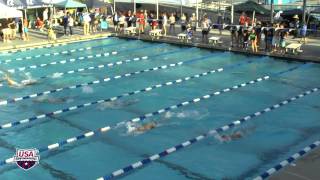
point(250, 7)
point(70, 4)
point(96, 3)
point(18, 4)
point(9, 12)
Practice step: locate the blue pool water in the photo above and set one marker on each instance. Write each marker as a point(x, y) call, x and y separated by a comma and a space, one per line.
point(267, 139)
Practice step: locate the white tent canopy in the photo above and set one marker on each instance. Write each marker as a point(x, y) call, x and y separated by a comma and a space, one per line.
point(8, 12)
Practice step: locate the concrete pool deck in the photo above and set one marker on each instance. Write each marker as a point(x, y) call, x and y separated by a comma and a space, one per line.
point(310, 52)
point(306, 168)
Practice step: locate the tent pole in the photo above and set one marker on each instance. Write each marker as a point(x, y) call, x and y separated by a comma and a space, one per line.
point(253, 17)
point(134, 6)
point(157, 9)
point(232, 11)
point(272, 10)
point(197, 12)
point(180, 8)
point(114, 6)
point(304, 11)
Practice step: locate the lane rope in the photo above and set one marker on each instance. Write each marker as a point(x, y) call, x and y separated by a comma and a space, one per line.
point(101, 66)
point(288, 161)
point(72, 60)
point(134, 120)
point(187, 143)
point(48, 46)
point(28, 120)
point(33, 48)
point(107, 79)
point(218, 130)
point(58, 53)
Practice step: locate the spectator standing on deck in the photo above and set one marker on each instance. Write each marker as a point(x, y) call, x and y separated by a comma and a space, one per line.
point(133, 18)
point(116, 21)
point(25, 29)
point(275, 38)
point(13, 30)
point(86, 23)
point(253, 40)
point(164, 23)
point(103, 24)
point(129, 18)
point(70, 24)
point(20, 28)
point(242, 19)
point(92, 22)
point(183, 22)
point(296, 25)
point(303, 34)
point(172, 28)
point(258, 30)
point(141, 20)
point(193, 22)
point(65, 22)
point(122, 21)
point(205, 25)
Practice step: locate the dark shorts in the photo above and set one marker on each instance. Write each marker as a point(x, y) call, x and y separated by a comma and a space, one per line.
point(205, 32)
point(121, 25)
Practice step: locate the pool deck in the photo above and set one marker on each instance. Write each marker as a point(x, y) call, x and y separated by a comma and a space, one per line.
point(310, 50)
point(306, 168)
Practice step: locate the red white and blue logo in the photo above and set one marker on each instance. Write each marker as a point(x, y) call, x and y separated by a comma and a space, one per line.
point(26, 158)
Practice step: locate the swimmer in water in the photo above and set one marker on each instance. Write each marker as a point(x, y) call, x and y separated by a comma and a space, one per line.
point(142, 128)
point(235, 135)
point(231, 137)
point(50, 100)
point(118, 104)
point(11, 82)
point(146, 127)
point(25, 82)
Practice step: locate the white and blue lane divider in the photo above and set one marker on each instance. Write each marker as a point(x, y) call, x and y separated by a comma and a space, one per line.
point(31, 119)
point(101, 66)
point(32, 48)
point(72, 60)
point(107, 79)
point(195, 100)
point(49, 45)
point(64, 142)
point(58, 53)
point(216, 131)
point(288, 161)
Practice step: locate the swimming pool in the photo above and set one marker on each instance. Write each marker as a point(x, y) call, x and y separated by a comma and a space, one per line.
point(102, 85)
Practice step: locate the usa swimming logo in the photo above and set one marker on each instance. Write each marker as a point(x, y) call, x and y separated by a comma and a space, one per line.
point(26, 158)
